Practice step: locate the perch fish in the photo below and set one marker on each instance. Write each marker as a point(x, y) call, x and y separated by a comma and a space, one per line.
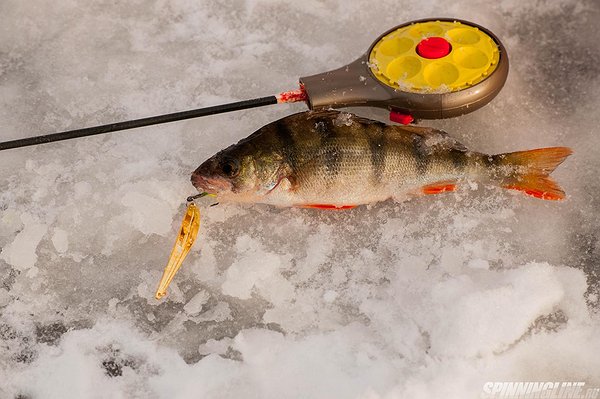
point(336, 160)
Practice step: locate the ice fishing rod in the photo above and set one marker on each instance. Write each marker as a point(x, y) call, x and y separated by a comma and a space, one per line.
point(153, 120)
point(424, 69)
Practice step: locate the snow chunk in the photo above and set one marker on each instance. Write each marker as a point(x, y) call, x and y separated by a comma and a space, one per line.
point(256, 268)
point(474, 311)
point(194, 305)
point(21, 253)
point(148, 214)
point(218, 347)
point(60, 240)
point(330, 295)
point(343, 119)
point(4, 297)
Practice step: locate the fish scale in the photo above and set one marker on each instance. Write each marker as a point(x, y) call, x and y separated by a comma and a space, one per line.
point(333, 159)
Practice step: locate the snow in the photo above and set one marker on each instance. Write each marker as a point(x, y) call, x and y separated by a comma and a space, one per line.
point(194, 305)
point(427, 298)
point(21, 253)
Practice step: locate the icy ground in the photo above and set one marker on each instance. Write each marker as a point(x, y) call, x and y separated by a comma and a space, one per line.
point(425, 299)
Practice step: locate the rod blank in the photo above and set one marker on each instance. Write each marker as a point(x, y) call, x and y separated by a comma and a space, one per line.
point(153, 120)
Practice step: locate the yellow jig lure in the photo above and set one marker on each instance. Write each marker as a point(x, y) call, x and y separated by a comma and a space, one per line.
point(186, 238)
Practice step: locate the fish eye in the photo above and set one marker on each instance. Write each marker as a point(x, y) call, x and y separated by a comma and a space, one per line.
point(230, 167)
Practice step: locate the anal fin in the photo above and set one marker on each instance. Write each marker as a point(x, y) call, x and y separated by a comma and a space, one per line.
point(328, 207)
point(439, 187)
point(538, 187)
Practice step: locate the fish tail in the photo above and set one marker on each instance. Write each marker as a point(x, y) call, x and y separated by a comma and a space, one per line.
point(528, 171)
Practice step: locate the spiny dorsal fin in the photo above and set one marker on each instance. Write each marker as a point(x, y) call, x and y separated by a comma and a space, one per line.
point(435, 138)
point(333, 114)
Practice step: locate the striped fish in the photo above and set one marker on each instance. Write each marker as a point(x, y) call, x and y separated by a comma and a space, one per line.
point(336, 160)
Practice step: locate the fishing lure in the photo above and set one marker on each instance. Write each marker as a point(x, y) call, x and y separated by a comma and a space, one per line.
point(185, 239)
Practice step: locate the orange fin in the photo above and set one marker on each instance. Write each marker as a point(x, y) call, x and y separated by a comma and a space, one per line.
point(538, 164)
point(440, 187)
point(328, 207)
point(542, 188)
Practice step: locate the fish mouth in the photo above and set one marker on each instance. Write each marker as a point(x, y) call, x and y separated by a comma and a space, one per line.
point(209, 184)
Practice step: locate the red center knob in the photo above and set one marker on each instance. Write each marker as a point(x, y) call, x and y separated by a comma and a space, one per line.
point(433, 48)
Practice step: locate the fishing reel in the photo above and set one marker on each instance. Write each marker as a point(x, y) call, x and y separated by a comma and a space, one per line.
point(425, 69)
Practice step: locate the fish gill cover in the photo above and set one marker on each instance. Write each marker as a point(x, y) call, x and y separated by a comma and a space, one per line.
point(427, 298)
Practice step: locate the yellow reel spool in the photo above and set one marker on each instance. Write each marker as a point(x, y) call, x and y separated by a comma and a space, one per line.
point(472, 56)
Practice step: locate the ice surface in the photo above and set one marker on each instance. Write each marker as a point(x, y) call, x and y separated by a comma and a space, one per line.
point(427, 298)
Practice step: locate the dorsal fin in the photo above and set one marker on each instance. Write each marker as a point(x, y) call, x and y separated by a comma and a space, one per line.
point(333, 114)
point(435, 138)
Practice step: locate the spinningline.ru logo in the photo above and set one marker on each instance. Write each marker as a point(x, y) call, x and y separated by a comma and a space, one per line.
point(539, 390)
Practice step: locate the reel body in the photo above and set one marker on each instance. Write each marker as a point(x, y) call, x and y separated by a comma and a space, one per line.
point(426, 69)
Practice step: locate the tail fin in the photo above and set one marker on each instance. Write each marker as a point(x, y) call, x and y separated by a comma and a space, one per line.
point(532, 170)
